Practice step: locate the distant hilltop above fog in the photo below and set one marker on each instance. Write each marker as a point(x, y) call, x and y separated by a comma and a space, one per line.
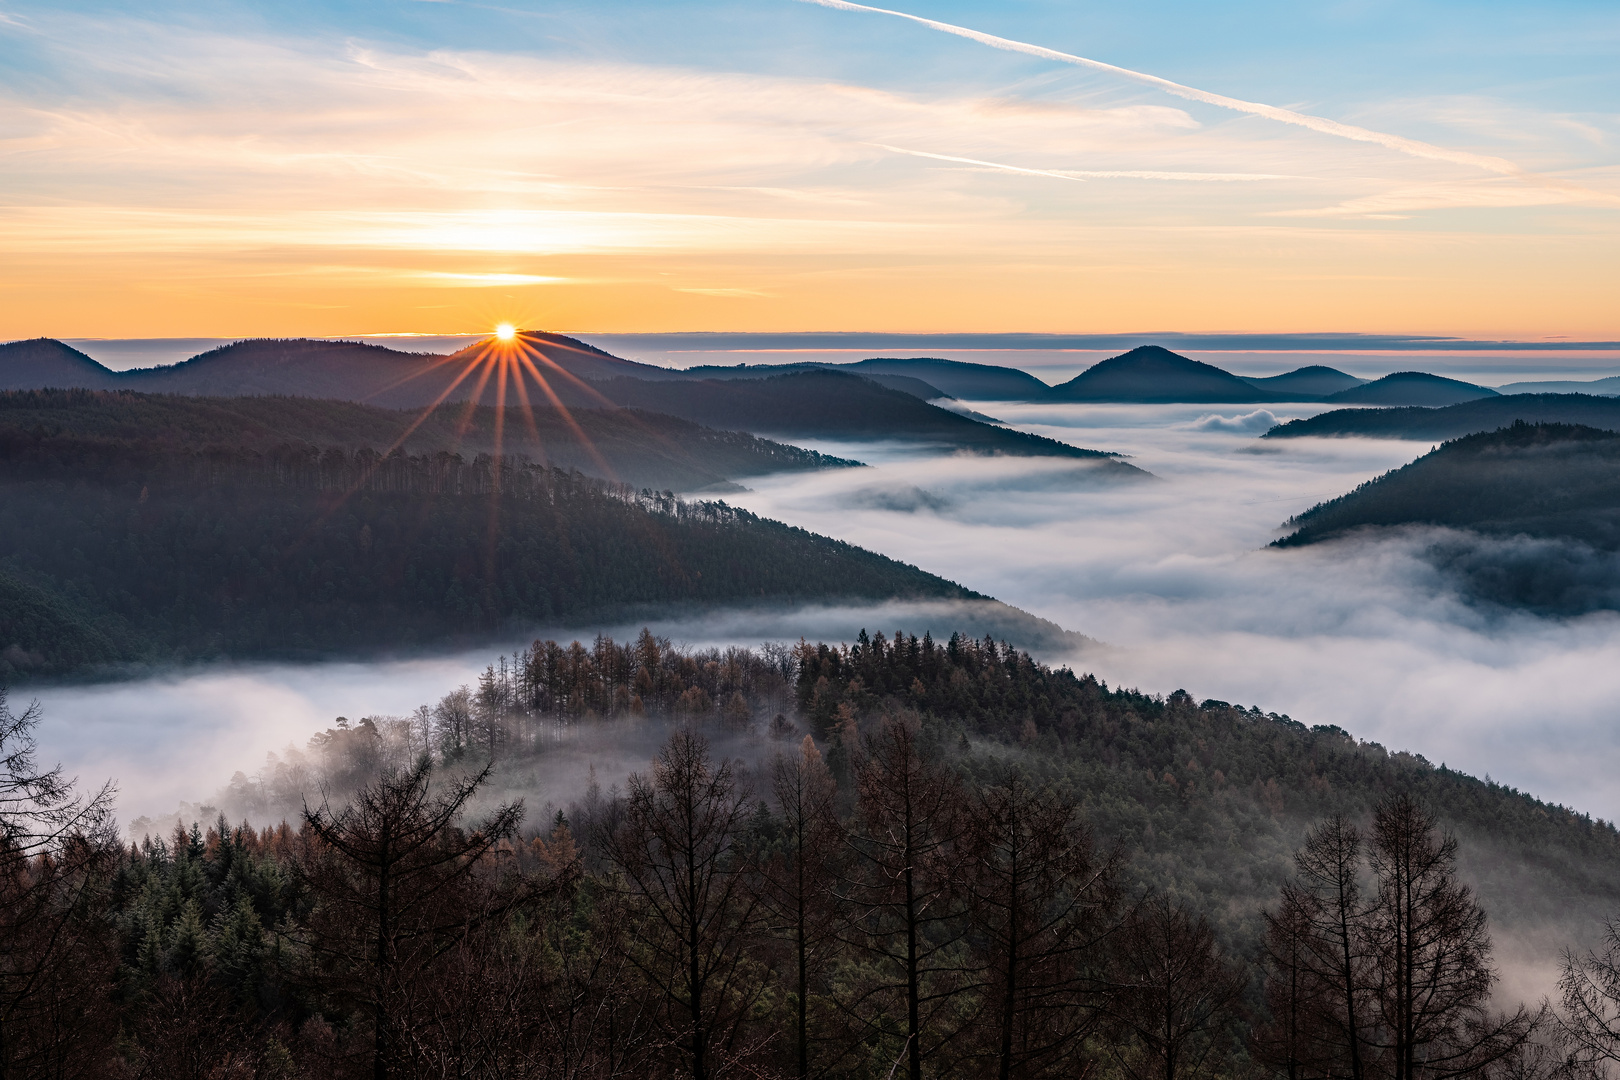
point(874, 400)
point(580, 373)
point(1532, 509)
point(1464, 418)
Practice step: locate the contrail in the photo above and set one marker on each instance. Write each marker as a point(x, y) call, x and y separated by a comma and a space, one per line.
point(986, 164)
point(1254, 108)
point(1084, 174)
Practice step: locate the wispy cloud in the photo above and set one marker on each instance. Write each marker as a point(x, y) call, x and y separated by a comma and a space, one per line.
point(1098, 174)
point(1318, 124)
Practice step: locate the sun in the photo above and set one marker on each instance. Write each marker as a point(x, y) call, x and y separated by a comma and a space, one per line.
point(506, 331)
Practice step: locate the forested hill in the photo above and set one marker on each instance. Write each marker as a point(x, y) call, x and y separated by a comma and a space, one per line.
point(121, 551)
point(1538, 480)
point(1209, 798)
point(638, 448)
point(956, 796)
point(1485, 414)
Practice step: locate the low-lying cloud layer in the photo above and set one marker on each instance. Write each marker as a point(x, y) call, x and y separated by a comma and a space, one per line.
point(1173, 577)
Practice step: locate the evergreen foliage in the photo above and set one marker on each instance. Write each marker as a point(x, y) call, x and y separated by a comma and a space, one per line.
point(142, 551)
point(1017, 871)
point(1539, 480)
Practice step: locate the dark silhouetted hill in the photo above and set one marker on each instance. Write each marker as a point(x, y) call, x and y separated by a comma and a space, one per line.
point(648, 450)
point(354, 371)
point(1539, 480)
point(139, 551)
point(1149, 374)
point(28, 365)
point(1306, 383)
point(1531, 512)
point(838, 405)
point(544, 368)
point(1452, 421)
point(948, 378)
point(1600, 387)
point(1411, 388)
point(980, 382)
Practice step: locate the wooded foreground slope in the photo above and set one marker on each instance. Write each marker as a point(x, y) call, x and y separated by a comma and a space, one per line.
point(847, 905)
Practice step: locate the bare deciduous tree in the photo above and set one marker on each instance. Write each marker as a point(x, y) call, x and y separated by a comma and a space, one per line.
point(1173, 993)
point(904, 896)
point(678, 850)
point(1431, 953)
point(55, 846)
point(1040, 905)
point(398, 885)
point(794, 883)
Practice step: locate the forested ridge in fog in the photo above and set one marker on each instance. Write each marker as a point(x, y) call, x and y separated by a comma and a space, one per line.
point(638, 448)
point(141, 551)
point(931, 859)
point(1528, 479)
point(1530, 513)
point(1453, 421)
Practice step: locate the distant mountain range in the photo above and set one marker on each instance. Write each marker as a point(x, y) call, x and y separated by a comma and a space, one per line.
point(551, 370)
point(1483, 414)
point(1412, 388)
point(353, 371)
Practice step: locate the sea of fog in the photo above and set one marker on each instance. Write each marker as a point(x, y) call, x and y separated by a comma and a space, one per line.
point(1171, 575)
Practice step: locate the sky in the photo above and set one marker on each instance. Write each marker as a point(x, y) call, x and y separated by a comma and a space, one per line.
point(345, 168)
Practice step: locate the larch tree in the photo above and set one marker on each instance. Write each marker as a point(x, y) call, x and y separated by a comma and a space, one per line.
point(678, 847)
point(397, 886)
point(903, 895)
point(55, 953)
point(794, 880)
point(1173, 993)
point(1431, 952)
point(1041, 907)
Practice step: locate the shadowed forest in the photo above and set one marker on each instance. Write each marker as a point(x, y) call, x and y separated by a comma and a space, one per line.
point(893, 858)
point(125, 551)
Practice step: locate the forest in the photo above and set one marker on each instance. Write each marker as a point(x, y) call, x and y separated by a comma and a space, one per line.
point(1454, 421)
point(896, 857)
point(121, 551)
point(1539, 480)
point(638, 448)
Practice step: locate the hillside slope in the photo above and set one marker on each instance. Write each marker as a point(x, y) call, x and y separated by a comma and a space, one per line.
point(1538, 480)
point(648, 450)
point(26, 365)
point(837, 405)
point(1211, 800)
point(1305, 383)
point(1411, 388)
point(1452, 421)
point(116, 550)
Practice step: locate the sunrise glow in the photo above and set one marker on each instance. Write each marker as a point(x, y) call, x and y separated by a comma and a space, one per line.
point(505, 331)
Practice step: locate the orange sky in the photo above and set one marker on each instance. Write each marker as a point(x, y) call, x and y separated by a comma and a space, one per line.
point(285, 188)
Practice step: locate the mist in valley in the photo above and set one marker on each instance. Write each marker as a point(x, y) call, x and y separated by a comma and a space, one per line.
point(1169, 576)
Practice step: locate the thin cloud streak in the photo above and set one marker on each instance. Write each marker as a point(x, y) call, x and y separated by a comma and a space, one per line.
point(1078, 174)
point(1319, 124)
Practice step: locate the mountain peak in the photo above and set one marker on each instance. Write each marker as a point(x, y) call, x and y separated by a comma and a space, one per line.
point(1151, 374)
